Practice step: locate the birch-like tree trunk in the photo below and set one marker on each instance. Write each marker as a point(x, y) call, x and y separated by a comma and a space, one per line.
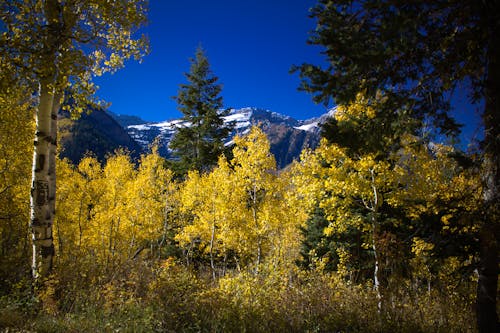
point(376, 203)
point(41, 215)
point(53, 42)
point(376, 280)
point(256, 224)
point(56, 105)
point(42, 201)
point(212, 240)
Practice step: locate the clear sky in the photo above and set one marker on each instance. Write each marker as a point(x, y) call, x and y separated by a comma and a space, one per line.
point(251, 46)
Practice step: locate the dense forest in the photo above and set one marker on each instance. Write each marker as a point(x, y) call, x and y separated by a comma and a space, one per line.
point(385, 227)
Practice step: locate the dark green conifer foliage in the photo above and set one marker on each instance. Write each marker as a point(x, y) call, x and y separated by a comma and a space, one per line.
point(198, 145)
point(362, 135)
point(320, 250)
point(315, 244)
point(416, 53)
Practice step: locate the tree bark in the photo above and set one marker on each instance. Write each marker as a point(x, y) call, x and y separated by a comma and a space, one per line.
point(42, 200)
point(212, 239)
point(374, 211)
point(256, 224)
point(487, 317)
point(376, 279)
point(53, 151)
point(41, 217)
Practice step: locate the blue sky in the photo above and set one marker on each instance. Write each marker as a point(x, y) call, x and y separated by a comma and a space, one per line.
point(251, 46)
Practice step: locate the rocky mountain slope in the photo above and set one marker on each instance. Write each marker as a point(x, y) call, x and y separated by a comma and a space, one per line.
point(288, 136)
point(101, 132)
point(95, 133)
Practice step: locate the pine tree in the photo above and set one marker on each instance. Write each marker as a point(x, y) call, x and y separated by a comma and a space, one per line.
point(314, 247)
point(199, 142)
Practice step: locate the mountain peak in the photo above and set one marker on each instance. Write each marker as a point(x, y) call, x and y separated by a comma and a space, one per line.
point(288, 136)
point(102, 132)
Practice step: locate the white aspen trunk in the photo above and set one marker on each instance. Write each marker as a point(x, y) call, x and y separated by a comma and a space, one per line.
point(377, 202)
point(259, 255)
point(165, 227)
point(212, 238)
point(80, 230)
point(224, 266)
point(376, 280)
point(53, 151)
point(41, 217)
point(256, 223)
point(56, 104)
point(42, 200)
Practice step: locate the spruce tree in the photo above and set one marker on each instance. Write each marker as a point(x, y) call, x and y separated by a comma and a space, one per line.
point(199, 141)
point(316, 245)
point(417, 53)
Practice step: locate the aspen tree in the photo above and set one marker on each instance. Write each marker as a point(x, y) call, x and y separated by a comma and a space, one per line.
point(151, 193)
point(359, 189)
point(240, 207)
point(418, 53)
point(56, 45)
point(255, 171)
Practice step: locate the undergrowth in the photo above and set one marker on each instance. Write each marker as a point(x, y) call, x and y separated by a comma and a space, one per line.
point(168, 297)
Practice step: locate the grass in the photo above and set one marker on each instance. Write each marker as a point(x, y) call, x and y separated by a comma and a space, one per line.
point(175, 299)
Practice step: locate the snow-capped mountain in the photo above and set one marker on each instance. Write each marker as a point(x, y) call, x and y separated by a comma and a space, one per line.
point(288, 136)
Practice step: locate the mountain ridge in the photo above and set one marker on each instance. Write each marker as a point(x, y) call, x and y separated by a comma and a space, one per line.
point(288, 136)
point(95, 133)
point(102, 132)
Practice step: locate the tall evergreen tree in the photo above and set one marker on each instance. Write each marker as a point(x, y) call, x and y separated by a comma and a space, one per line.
point(417, 53)
point(200, 141)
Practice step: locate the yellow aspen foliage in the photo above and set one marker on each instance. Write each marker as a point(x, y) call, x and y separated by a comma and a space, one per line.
point(73, 204)
point(383, 199)
point(336, 182)
point(114, 212)
point(359, 108)
point(429, 177)
point(152, 195)
point(288, 218)
point(255, 173)
point(205, 199)
point(422, 181)
point(240, 207)
point(351, 193)
point(113, 232)
point(16, 151)
point(80, 194)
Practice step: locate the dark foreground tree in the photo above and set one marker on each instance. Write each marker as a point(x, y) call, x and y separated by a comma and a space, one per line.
point(200, 138)
point(416, 53)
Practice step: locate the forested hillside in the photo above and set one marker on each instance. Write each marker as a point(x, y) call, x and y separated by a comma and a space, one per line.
point(93, 133)
point(384, 226)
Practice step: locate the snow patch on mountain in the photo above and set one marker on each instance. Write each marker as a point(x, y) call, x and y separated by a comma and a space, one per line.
point(308, 127)
point(242, 119)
